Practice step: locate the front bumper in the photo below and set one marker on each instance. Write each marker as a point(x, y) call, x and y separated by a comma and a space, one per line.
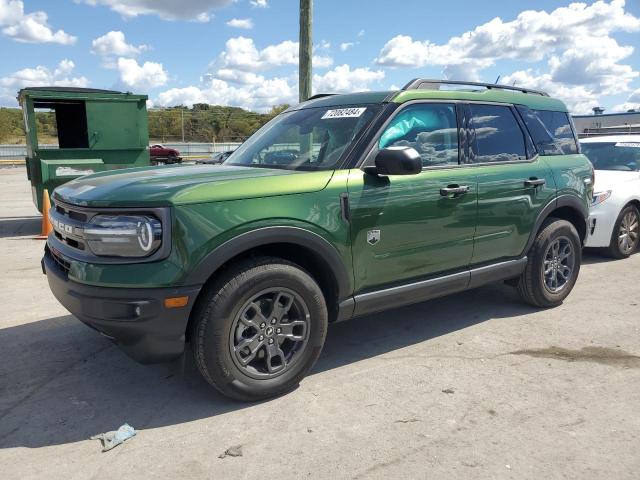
point(600, 226)
point(136, 319)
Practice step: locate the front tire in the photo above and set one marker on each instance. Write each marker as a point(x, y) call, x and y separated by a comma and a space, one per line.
point(259, 329)
point(626, 233)
point(553, 264)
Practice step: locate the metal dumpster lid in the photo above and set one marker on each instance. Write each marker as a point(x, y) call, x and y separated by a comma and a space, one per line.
point(68, 89)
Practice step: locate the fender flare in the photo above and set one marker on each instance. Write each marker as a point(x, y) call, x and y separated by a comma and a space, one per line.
point(326, 252)
point(570, 201)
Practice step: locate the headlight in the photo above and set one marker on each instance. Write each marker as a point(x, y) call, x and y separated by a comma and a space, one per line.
point(599, 197)
point(123, 235)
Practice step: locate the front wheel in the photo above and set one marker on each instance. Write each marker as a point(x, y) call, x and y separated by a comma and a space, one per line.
point(259, 329)
point(553, 264)
point(626, 233)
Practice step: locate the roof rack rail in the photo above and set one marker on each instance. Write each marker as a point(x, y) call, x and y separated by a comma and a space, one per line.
point(429, 84)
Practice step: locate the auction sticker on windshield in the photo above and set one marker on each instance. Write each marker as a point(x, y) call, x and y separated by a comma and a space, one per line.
point(344, 113)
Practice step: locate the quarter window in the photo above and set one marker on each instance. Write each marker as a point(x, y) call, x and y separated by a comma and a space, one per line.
point(551, 131)
point(429, 128)
point(498, 136)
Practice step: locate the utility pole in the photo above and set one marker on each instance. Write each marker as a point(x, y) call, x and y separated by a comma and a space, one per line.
point(306, 49)
point(182, 121)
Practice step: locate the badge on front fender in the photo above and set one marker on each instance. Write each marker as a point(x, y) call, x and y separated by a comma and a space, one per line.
point(373, 237)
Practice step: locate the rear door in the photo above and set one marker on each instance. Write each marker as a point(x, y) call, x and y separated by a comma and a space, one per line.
point(514, 183)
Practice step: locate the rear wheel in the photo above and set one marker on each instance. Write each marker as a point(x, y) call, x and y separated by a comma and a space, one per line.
point(259, 329)
point(553, 264)
point(626, 233)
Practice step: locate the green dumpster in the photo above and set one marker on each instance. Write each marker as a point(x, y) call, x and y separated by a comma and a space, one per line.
point(96, 130)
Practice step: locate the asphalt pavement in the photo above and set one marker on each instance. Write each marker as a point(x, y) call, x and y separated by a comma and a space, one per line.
point(475, 385)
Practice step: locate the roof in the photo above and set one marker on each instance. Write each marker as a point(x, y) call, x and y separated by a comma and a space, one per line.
point(617, 114)
point(534, 101)
point(611, 139)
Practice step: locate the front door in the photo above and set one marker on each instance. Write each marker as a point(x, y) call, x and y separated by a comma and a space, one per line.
point(411, 227)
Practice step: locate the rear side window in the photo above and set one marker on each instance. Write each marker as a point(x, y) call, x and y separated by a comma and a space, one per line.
point(498, 136)
point(551, 131)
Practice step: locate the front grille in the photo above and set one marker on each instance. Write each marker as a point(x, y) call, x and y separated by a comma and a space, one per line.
point(68, 225)
point(60, 261)
point(70, 213)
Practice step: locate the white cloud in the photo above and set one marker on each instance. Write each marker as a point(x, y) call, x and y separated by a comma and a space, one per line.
point(38, 77)
point(579, 99)
point(259, 3)
point(632, 103)
point(141, 77)
point(241, 54)
point(361, 33)
point(582, 58)
point(244, 23)
point(30, 27)
point(531, 36)
point(114, 44)
point(320, 61)
point(594, 61)
point(346, 46)
point(259, 95)
point(343, 79)
point(255, 92)
point(193, 10)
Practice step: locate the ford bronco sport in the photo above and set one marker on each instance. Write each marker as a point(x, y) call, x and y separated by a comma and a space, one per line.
point(338, 207)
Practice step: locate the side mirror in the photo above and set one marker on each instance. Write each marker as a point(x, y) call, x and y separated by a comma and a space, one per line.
point(396, 161)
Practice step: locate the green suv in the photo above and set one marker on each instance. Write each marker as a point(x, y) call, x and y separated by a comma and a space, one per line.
point(341, 206)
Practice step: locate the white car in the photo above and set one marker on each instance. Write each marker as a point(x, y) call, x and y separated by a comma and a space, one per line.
point(614, 220)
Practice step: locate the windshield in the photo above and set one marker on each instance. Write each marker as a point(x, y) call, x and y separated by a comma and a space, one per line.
point(622, 156)
point(309, 139)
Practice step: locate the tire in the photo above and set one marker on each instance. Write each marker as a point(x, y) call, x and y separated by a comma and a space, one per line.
point(279, 363)
point(537, 287)
point(627, 223)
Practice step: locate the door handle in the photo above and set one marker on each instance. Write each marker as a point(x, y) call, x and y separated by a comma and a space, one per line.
point(454, 190)
point(534, 182)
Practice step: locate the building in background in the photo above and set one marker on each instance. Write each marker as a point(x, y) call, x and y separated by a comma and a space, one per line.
point(600, 123)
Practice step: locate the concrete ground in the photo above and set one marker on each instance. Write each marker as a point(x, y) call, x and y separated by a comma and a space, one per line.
point(476, 385)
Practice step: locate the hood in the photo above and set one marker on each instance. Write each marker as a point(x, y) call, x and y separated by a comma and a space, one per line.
point(608, 179)
point(182, 184)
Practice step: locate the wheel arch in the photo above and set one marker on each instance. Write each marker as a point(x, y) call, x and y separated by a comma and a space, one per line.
point(634, 201)
point(302, 247)
point(565, 207)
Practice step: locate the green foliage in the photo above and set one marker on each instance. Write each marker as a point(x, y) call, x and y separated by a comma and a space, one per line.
point(11, 126)
point(206, 123)
point(202, 123)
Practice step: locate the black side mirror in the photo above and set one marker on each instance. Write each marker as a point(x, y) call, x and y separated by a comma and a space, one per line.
point(396, 161)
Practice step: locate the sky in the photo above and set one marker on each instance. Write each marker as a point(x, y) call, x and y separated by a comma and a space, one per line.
point(245, 52)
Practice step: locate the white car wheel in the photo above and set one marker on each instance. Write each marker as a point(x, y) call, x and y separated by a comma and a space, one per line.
point(626, 233)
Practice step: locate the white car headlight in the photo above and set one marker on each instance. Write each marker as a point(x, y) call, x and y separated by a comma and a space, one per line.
point(599, 197)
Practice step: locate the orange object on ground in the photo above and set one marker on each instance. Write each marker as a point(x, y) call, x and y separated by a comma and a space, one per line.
point(46, 228)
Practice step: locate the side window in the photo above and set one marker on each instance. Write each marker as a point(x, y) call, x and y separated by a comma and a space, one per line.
point(498, 136)
point(551, 131)
point(429, 128)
